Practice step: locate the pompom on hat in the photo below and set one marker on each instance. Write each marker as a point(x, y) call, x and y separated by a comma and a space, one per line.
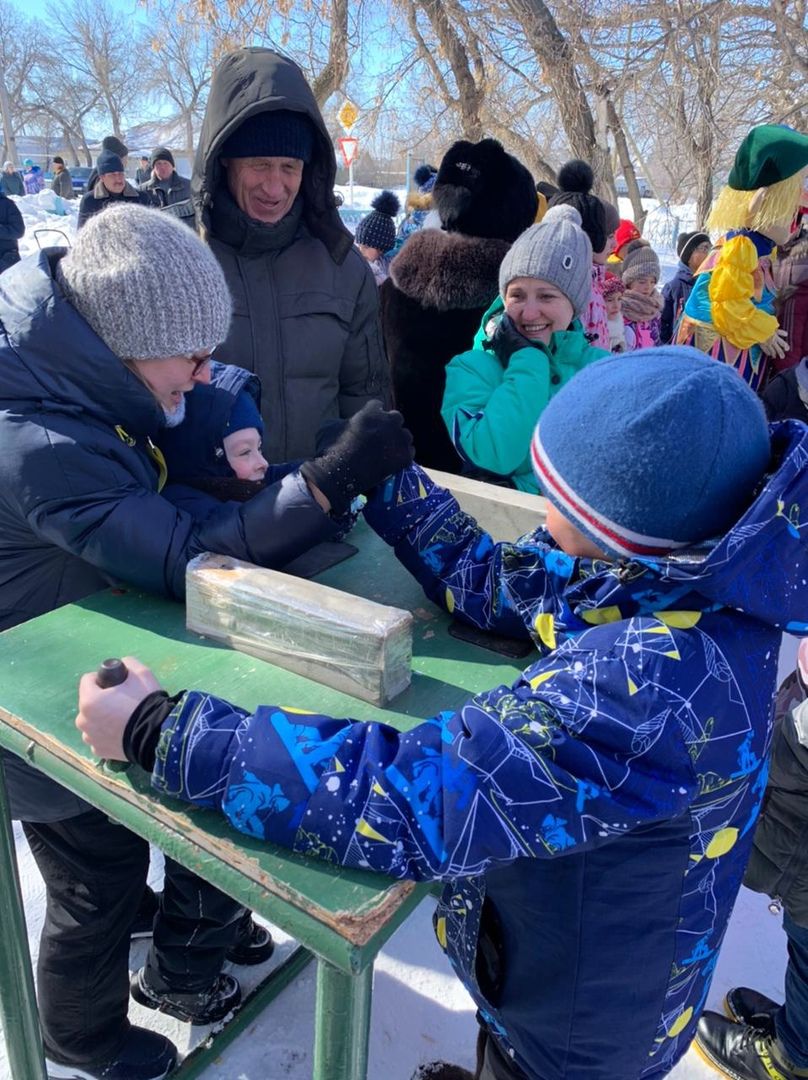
point(121, 268)
point(652, 452)
point(575, 181)
point(377, 229)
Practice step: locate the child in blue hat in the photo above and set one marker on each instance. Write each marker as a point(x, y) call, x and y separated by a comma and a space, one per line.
point(217, 447)
point(591, 820)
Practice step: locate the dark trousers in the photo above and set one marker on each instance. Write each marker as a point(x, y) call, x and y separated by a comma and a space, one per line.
point(492, 1064)
point(95, 873)
point(791, 1022)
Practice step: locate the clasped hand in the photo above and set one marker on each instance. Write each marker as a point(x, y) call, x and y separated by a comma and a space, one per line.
point(104, 713)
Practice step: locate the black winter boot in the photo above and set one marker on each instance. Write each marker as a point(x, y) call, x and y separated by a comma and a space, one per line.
point(145, 1055)
point(253, 944)
point(742, 1052)
point(196, 1007)
point(746, 1006)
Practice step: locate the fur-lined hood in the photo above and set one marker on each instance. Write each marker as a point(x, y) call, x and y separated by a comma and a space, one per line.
point(449, 270)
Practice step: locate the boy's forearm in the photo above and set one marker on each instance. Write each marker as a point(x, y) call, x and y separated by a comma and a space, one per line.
point(457, 564)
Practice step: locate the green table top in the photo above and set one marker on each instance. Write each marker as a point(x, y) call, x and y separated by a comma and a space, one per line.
point(342, 915)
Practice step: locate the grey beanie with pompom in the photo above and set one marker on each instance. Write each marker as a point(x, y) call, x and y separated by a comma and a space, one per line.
point(558, 251)
point(121, 276)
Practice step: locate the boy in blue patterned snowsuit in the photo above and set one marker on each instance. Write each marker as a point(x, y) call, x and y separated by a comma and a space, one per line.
point(592, 821)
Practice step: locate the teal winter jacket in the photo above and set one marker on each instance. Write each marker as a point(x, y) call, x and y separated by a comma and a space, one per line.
point(497, 390)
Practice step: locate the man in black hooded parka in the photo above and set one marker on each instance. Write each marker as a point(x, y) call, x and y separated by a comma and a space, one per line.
point(305, 305)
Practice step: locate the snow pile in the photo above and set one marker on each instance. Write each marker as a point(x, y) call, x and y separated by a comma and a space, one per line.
point(50, 221)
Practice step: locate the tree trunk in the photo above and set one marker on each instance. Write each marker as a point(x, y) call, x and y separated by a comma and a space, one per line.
point(626, 163)
point(335, 71)
point(555, 55)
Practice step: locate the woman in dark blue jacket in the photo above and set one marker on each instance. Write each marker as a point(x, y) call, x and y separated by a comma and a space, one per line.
point(93, 365)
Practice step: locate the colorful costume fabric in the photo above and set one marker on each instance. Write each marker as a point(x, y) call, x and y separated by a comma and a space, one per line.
point(591, 821)
point(731, 307)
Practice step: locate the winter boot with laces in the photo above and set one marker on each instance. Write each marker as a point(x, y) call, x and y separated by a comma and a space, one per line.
point(145, 1055)
point(746, 1006)
point(194, 1007)
point(742, 1052)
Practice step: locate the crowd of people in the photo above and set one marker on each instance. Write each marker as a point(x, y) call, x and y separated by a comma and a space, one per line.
point(592, 822)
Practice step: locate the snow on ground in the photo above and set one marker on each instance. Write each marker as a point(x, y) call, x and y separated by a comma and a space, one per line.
point(420, 1011)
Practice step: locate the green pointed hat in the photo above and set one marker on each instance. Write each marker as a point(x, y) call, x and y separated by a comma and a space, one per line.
point(769, 153)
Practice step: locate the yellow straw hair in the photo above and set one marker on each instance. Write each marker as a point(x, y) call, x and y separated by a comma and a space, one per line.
point(776, 205)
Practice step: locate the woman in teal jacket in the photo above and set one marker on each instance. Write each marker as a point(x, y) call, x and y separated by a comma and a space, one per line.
point(529, 345)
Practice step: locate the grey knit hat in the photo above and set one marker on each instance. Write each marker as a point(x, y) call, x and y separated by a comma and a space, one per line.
point(121, 275)
point(639, 261)
point(556, 250)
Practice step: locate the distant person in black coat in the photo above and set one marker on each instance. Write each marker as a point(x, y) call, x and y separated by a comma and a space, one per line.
point(692, 249)
point(111, 187)
point(12, 227)
point(114, 144)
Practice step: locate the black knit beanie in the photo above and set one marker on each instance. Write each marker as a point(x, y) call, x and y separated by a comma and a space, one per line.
point(281, 133)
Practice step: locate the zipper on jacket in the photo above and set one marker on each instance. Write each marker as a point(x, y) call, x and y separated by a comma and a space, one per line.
point(776, 905)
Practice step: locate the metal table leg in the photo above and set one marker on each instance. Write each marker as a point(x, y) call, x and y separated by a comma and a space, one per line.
point(18, 1010)
point(342, 1023)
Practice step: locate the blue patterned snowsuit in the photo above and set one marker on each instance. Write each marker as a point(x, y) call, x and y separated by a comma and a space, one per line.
point(592, 821)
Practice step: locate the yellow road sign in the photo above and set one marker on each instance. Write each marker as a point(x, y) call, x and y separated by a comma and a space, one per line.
point(348, 115)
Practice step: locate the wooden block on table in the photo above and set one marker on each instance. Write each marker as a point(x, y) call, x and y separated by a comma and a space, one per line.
point(505, 513)
point(343, 641)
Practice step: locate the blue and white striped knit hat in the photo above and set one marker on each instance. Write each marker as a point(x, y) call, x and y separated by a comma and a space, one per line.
point(652, 451)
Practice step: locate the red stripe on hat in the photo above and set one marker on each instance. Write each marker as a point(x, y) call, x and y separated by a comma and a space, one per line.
point(564, 495)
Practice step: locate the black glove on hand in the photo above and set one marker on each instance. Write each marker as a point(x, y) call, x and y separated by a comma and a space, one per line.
point(373, 445)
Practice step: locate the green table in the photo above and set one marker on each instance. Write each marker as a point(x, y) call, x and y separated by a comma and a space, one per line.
point(342, 917)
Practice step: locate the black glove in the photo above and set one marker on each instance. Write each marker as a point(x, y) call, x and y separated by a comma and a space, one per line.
point(373, 445)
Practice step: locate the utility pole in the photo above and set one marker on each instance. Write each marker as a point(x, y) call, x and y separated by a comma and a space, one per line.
point(8, 132)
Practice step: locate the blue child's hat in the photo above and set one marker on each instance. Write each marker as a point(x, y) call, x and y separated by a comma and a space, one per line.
point(652, 451)
point(244, 414)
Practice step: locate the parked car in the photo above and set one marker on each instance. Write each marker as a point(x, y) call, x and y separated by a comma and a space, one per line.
point(80, 175)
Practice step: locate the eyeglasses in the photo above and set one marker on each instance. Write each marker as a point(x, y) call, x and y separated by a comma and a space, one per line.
point(199, 363)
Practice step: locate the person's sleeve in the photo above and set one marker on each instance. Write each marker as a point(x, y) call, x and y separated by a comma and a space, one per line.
point(732, 288)
point(775, 399)
point(12, 225)
point(90, 506)
point(83, 215)
point(491, 411)
point(511, 589)
point(364, 374)
point(564, 761)
point(669, 297)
